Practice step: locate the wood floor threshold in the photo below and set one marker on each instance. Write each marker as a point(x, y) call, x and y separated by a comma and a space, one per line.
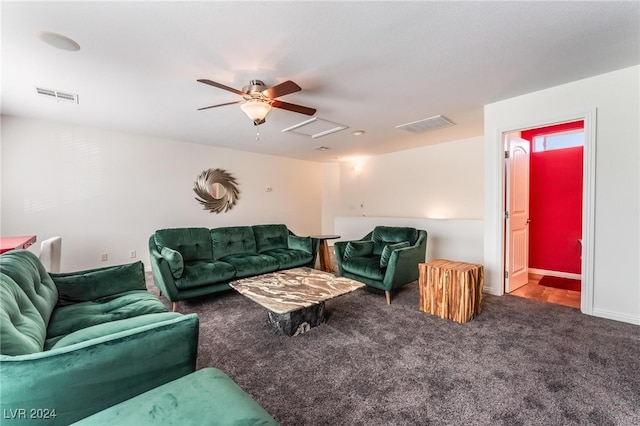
point(533, 290)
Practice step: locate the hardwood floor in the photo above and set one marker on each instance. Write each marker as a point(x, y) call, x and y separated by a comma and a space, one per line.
point(532, 290)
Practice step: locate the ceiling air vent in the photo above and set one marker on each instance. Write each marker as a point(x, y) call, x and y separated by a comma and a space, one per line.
point(428, 124)
point(316, 127)
point(57, 95)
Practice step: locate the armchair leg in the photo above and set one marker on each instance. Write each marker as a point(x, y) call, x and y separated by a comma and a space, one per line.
point(388, 295)
point(175, 306)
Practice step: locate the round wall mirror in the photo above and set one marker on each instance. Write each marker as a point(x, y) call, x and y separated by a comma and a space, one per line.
point(218, 191)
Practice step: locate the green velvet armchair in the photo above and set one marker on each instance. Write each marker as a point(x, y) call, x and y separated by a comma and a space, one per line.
point(386, 258)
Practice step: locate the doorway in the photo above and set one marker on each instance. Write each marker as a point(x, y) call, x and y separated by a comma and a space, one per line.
point(551, 245)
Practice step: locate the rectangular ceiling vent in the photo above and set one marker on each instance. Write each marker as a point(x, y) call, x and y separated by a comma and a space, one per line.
point(316, 127)
point(426, 125)
point(57, 95)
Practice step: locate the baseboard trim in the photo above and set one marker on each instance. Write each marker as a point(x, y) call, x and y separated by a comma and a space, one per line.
point(555, 273)
point(603, 313)
point(492, 290)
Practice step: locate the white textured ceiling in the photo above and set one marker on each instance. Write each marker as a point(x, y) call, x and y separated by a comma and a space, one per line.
point(368, 65)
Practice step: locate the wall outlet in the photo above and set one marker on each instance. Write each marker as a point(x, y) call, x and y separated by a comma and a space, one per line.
point(268, 189)
point(132, 254)
point(104, 257)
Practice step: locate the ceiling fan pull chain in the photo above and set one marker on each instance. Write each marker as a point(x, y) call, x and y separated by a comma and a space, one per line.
point(257, 133)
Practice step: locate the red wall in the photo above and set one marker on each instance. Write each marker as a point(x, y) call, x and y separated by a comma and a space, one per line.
point(555, 204)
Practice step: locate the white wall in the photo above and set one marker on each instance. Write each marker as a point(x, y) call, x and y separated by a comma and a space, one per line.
point(438, 188)
point(330, 196)
point(107, 192)
point(616, 256)
point(455, 239)
point(435, 181)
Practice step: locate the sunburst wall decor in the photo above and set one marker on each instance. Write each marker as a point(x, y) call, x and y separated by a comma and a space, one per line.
point(217, 190)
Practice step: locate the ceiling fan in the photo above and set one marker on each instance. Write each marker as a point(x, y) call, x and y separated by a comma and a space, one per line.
point(258, 99)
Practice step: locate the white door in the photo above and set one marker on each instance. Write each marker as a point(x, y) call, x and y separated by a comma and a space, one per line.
point(517, 215)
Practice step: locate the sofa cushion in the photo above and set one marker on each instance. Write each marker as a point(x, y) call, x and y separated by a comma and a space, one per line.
point(232, 240)
point(108, 328)
point(386, 252)
point(290, 258)
point(368, 267)
point(269, 237)
point(358, 248)
point(198, 274)
point(385, 235)
point(94, 284)
point(248, 265)
point(192, 243)
point(67, 319)
point(22, 329)
point(206, 397)
point(27, 297)
point(175, 261)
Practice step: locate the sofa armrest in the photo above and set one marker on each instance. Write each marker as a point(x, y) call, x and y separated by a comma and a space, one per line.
point(83, 286)
point(403, 263)
point(312, 248)
point(84, 378)
point(339, 248)
point(162, 276)
point(300, 243)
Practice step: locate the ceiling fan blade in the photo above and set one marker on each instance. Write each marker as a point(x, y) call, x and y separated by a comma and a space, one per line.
point(281, 89)
point(221, 86)
point(219, 105)
point(293, 107)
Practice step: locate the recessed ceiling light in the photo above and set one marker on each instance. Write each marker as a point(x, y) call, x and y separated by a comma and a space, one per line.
point(358, 132)
point(58, 41)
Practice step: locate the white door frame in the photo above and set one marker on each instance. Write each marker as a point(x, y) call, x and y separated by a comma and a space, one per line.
point(588, 197)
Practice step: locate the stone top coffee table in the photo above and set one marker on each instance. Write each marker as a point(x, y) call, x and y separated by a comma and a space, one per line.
point(295, 297)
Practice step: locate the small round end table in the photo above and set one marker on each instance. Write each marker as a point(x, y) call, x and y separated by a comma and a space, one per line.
point(323, 251)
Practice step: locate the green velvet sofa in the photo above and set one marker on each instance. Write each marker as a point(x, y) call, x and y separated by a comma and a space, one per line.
point(192, 262)
point(386, 258)
point(73, 344)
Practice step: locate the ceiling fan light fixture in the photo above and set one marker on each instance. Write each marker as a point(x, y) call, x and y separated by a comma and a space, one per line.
point(256, 110)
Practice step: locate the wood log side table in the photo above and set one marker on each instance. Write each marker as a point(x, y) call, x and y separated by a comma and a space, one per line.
point(451, 290)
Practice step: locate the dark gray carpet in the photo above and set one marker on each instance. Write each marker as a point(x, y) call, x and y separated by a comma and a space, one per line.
point(520, 362)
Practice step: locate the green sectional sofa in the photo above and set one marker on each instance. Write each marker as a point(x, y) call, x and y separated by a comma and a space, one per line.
point(386, 258)
point(73, 344)
point(191, 262)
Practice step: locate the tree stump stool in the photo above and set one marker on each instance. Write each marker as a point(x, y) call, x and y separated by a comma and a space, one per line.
point(451, 290)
